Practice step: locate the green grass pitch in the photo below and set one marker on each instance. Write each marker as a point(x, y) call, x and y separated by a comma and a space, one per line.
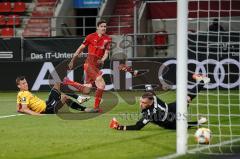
point(52, 137)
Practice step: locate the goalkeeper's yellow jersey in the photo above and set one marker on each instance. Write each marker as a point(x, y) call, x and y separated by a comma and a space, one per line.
point(33, 102)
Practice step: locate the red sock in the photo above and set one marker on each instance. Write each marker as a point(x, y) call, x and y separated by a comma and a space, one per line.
point(98, 98)
point(75, 85)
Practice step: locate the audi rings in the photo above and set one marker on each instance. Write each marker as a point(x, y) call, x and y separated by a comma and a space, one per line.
point(221, 76)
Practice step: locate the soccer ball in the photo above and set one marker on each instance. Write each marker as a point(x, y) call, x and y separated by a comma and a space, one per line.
point(203, 135)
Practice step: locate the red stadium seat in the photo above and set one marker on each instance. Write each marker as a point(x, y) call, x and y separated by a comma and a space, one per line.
point(46, 1)
point(5, 7)
point(2, 20)
point(13, 20)
point(7, 32)
point(50, 4)
point(19, 7)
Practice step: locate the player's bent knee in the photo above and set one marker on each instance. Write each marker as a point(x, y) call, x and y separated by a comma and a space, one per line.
point(100, 83)
point(102, 86)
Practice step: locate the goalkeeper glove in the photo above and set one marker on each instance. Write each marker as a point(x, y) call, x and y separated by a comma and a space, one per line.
point(114, 124)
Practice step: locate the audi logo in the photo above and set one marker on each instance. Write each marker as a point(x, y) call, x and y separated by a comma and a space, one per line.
point(220, 74)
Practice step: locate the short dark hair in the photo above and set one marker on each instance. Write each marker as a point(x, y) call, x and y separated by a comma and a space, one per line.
point(19, 78)
point(148, 95)
point(100, 22)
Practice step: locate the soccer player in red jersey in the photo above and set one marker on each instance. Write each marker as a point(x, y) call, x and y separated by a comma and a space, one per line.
point(98, 44)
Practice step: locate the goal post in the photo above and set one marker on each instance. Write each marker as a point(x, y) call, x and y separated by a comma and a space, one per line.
point(182, 58)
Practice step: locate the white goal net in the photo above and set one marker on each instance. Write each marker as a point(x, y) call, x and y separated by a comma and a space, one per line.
point(213, 49)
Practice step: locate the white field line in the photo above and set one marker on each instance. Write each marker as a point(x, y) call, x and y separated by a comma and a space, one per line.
point(15, 115)
point(170, 156)
point(9, 116)
point(200, 149)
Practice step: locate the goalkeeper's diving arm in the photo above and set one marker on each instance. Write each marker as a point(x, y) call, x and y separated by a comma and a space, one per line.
point(138, 126)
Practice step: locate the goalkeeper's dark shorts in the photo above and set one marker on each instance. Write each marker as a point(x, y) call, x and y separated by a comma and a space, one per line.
point(54, 102)
point(170, 122)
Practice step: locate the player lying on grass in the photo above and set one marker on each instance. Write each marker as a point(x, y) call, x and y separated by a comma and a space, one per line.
point(156, 111)
point(31, 104)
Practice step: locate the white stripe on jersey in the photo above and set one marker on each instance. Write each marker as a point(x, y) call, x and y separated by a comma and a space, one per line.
point(156, 105)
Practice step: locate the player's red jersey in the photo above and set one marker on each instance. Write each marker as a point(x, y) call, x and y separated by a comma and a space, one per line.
point(96, 47)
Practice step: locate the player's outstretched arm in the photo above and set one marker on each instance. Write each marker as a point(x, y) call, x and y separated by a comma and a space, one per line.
point(75, 56)
point(24, 109)
point(138, 126)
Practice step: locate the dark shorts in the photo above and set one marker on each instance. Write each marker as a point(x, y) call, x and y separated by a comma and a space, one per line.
point(170, 122)
point(53, 103)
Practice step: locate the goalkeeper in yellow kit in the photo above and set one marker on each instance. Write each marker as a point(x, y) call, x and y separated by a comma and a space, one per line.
point(31, 104)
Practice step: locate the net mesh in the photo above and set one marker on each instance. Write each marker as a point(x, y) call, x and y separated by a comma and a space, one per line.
point(214, 41)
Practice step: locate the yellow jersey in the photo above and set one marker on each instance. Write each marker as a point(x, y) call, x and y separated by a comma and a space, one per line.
point(33, 102)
